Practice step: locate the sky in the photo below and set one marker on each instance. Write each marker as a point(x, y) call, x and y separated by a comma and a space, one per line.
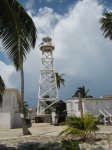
point(81, 52)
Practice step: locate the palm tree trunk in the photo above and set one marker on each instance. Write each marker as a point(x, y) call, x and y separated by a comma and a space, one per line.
point(24, 126)
point(81, 106)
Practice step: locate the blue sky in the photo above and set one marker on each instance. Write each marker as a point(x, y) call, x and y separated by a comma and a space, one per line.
point(59, 6)
point(81, 52)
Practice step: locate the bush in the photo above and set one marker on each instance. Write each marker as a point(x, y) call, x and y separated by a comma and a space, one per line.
point(81, 126)
point(70, 144)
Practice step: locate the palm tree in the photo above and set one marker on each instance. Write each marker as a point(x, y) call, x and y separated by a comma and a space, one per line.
point(106, 25)
point(83, 92)
point(2, 86)
point(59, 80)
point(18, 35)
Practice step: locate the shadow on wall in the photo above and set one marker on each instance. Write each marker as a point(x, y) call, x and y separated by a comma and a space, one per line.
point(34, 146)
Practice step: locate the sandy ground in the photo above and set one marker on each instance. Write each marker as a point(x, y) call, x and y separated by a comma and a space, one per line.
point(38, 129)
point(45, 129)
point(49, 133)
point(105, 129)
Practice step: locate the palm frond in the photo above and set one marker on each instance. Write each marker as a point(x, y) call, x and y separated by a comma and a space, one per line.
point(81, 126)
point(75, 131)
point(81, 92)
point(106, 25)
point(59, 79)
point(90, 123)
point(75, 122)
point(17, 31)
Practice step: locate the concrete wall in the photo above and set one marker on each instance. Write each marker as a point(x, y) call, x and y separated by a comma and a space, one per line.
point(5, 120)
point(9, 112)
point(89, 105)
point(93, 106)
point(72, 108)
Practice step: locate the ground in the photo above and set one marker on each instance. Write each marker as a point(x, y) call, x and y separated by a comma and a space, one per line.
point(37, 129)
point(43, 133)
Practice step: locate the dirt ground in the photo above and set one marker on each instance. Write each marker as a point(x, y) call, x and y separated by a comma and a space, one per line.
point(39, 129)
point(105, 129)
point(44, 129)
point(49, 133)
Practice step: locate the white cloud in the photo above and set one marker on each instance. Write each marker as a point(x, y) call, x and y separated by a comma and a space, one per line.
point(81, 51)
point(46, 20)
point(5, 72)
point(78, 38)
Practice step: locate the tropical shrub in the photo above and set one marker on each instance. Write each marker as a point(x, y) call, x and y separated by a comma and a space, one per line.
point(70, 144)
point(82, 127)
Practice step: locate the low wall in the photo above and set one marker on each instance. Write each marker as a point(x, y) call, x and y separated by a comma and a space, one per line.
point(93, 106)
point(5, 121)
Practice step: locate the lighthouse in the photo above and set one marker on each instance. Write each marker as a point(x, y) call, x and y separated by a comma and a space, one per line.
point(48, 92)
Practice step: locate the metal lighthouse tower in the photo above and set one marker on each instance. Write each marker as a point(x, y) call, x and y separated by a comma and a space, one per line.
point(48, 93)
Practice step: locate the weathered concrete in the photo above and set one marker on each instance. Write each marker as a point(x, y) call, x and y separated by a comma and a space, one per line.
point(9, 109)
point(89, 105)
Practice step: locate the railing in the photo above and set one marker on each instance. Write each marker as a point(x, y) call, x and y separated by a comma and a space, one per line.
point(110, 116)
point(107, 117)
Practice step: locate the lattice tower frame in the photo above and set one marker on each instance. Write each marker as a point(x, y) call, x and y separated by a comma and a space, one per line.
point(48, 92)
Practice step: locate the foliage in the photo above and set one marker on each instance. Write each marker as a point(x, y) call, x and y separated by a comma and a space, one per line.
point(106, 25)
point(17, 31)
point(81, 126)
point(2, 86)
point(59, 79)
point(70, 144)
point(82, 92)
